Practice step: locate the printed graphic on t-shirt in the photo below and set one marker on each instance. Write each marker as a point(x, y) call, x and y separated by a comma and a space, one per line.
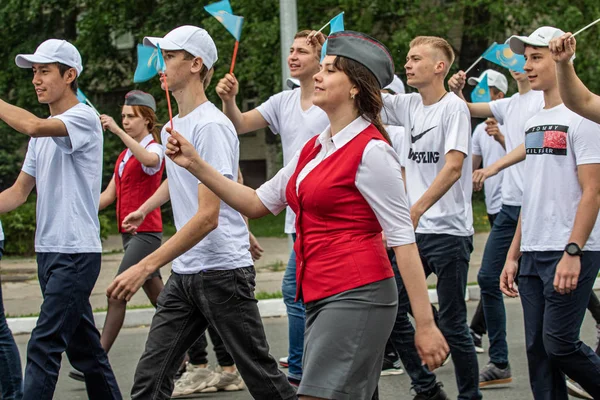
point(547, 139)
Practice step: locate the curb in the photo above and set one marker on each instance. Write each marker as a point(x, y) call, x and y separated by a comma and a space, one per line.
point(267, 308)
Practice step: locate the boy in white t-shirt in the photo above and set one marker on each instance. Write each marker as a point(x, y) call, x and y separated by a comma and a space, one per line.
point(292, 115)
point(436, 160)
point(213, 275)
point(512, 113)
point(64, 163)
point(558, 238)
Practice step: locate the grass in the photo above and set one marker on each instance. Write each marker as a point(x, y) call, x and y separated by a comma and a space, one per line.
point(269, 226)
point(480, 218)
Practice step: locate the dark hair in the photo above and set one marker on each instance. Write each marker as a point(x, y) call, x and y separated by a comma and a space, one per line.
point(368, 101)
point(203, 70)
point(148, 113)
point(495, 90)
point(63, 68)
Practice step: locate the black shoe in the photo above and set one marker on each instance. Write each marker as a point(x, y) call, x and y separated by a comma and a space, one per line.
point(433, 394)
point(391, 365)
point(477, 341)
point(77, 375)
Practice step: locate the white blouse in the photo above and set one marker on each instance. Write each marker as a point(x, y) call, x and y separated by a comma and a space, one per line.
point(378, 179)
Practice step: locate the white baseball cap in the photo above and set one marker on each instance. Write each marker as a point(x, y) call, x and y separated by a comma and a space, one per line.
point(192, 39)
point(396, 86)
point(541, 37)
point(51, 51)
point(494, 78)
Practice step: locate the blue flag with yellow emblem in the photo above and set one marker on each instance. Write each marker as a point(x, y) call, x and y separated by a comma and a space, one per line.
point(481, 93)
point(147, 63)
point(502, 55)
point(222, 11)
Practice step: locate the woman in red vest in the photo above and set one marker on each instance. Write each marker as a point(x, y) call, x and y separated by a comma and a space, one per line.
point(138, 174)
point(346, 188)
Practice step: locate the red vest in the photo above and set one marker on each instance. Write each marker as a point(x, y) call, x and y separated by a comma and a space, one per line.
point(134, 187)
point(338, 244)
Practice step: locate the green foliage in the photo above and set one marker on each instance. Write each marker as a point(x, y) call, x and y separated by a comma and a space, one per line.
point(19, 229)
point(268, 226)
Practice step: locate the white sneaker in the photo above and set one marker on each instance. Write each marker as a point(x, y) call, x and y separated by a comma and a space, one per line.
point(283, 362)
point(229, 381)
point(195, 380)
point(576, 390)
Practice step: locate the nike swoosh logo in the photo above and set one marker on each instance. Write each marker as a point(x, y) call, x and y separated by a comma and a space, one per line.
point(420, 135)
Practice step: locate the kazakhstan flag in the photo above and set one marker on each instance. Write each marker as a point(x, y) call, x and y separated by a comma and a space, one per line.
point(481, 93)
point(502, 55)
point(147, 63)
point(335, 25)
point(224, 14)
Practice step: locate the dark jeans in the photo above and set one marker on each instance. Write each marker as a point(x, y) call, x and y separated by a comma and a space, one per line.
point(478, 321)
point(448, 257)
point(494, 257)
point(198, 354)
point(296, 318)
point(186, 307)
point(66, 324)
point(11, 383)
point(552, 325)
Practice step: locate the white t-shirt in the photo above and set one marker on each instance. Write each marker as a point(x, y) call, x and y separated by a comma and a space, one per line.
point(431, 132)
point(152, 148)
point(490, 150)
point(513, 113)
point(68, 175)
point(214, 137)
point(378, 179)
point(557, 141)
point(396, 134)
point(285, 116)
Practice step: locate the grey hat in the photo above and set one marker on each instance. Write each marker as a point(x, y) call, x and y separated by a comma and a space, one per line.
point(139, 98)
point(364, 50)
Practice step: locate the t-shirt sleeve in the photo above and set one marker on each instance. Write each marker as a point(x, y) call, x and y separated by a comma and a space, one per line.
point(271, 111)
point(156, 149)
point(272, 193)
point(476, 142)
point(379, 180)
point(394, 109)
point(457, 129)
point(82, 127)
point(499, 109)
point(30, 157)
point(214, 145)
point(586, 143)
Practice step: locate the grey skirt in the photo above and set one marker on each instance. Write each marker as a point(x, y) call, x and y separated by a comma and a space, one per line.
point(345, 340)
point(137, 247)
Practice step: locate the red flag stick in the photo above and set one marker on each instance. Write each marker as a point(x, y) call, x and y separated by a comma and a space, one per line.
point(168, 99)
point(235, 49)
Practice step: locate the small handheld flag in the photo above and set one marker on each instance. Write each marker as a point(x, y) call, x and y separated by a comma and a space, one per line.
point(336, 24)
point(83, 99)
point(224, 14)
point(146, 68)
point(481, 93)
point(502, 55)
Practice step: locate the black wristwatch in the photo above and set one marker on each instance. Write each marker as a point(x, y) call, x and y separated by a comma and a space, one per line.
point(573, 249)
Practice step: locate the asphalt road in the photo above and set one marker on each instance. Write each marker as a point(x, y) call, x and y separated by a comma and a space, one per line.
point(129, 345)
